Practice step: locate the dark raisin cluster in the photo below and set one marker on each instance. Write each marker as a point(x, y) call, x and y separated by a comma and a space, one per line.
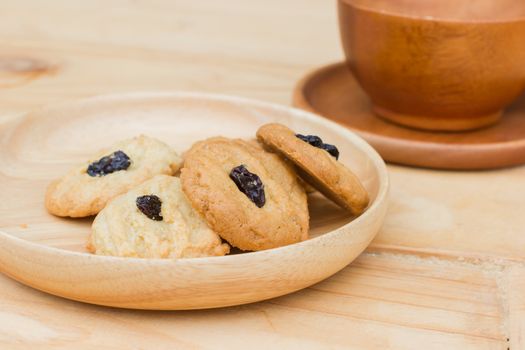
point(316, 141)
point(106, 165)
point(150, 206)
point(249, 184)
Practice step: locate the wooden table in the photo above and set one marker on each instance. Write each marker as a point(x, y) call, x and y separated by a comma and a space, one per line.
point(446, 272)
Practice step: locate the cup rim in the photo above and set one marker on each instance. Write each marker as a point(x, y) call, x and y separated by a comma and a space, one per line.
point(361, 7)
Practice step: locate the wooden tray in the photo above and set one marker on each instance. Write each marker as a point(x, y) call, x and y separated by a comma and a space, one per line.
point(48, 253)
point(333, 92)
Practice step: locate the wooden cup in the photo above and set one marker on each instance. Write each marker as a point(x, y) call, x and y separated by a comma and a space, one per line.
point(439, 65)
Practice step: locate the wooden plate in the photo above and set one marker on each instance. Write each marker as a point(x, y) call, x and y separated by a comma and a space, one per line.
point(48, 253)
point(333, 92)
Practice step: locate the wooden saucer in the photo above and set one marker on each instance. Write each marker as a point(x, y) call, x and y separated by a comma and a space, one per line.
point(333, 92)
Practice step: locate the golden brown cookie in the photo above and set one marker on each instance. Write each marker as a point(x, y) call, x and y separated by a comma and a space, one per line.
point(318, 165)
point(85, 190)
point(268, 209)
point(154, 220)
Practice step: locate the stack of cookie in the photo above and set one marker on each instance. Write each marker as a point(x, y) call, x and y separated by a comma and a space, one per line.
point(247, 194)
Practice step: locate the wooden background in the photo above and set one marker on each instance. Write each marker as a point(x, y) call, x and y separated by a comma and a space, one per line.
point(446, 272)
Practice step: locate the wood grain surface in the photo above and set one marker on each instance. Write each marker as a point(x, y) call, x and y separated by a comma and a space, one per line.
point(445, 272)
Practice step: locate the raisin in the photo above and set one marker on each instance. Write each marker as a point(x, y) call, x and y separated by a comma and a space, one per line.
point(150, 205)
point(316, 141)
point(334, 152)
point(106, 165)
point(250, 184)
point(311, 139)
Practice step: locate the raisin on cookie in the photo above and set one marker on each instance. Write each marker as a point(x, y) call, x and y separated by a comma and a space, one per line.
point(153, 220)
point(250, 197)
point(318, 164)
point(85, 190)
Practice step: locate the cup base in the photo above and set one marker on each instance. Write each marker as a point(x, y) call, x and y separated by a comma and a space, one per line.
point(438, 124)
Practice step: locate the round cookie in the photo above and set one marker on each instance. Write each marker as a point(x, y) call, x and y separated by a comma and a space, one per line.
point(135, 225)
point(85, 190)
point(259, 219)
point(317, 166)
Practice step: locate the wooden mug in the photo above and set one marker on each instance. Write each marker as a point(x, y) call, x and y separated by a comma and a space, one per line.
point(440, 65)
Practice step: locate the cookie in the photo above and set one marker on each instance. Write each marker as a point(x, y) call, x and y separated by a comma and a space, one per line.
point(318, 165)
point(153, 220)
point(250, 197)
point(85, 190)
